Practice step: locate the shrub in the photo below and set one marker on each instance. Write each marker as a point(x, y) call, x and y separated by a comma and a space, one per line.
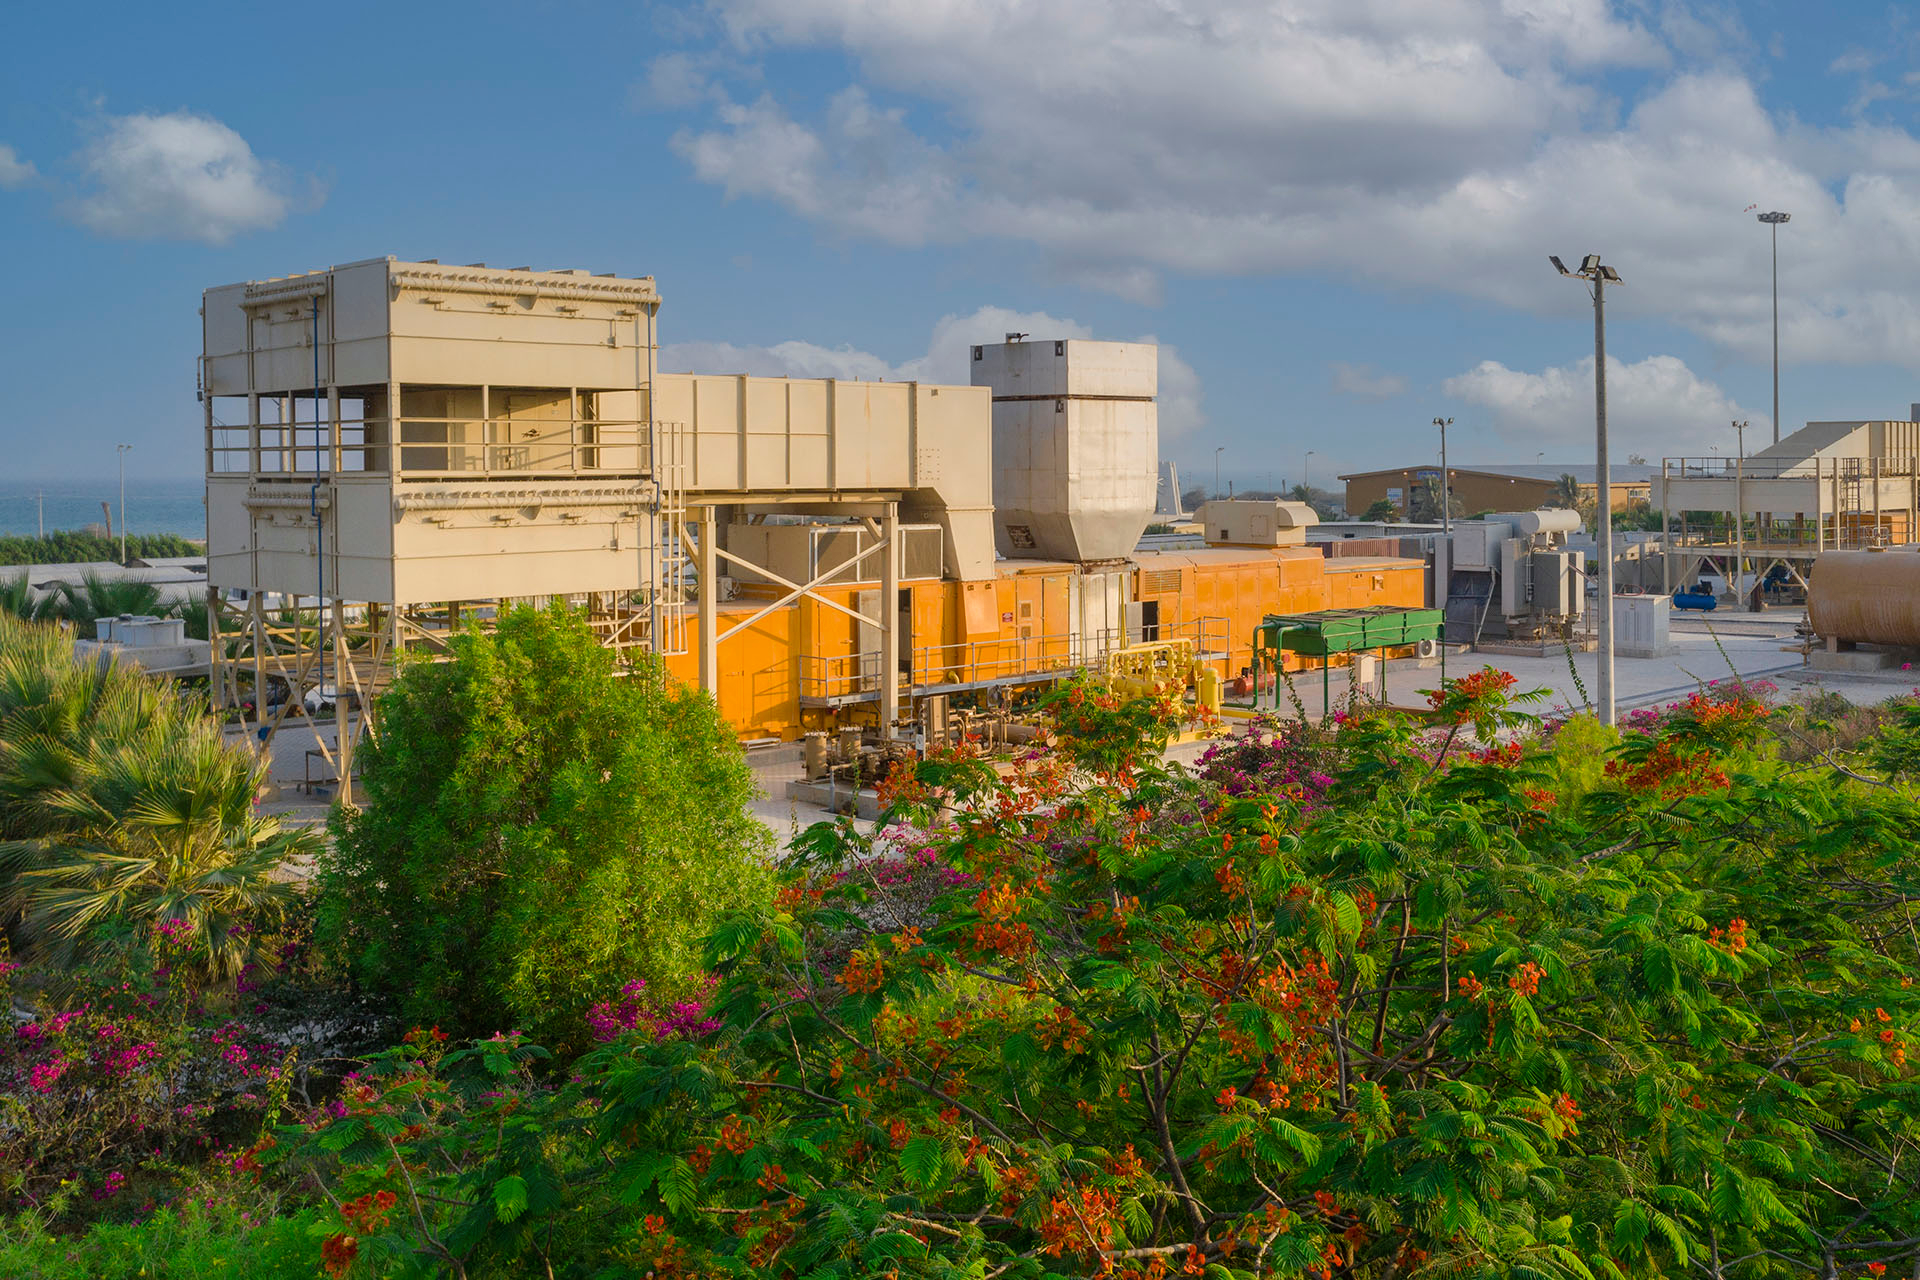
point(541, 829)
point(78, 546)
point(191, 1242)
point(1439, 1024)
point(121, 807)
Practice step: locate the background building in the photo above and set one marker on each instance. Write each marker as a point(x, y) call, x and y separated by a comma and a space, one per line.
point(1494, 488)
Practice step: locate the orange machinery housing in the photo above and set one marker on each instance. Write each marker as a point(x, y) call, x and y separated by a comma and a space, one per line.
point(808, 666)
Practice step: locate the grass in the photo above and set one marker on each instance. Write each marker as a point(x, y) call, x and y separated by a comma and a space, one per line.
point(191, 1243)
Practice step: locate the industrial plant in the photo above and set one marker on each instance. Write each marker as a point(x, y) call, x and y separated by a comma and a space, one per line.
point(400, 447)
point(397, 449)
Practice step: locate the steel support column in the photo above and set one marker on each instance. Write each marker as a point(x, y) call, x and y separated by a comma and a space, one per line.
point(709, 574)
point(889, 620)
point(342, 717)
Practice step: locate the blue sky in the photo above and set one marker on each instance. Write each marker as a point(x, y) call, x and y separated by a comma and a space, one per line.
point(1335, 214)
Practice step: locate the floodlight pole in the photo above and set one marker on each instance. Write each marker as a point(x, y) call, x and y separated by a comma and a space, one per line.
point(1446, 486)
point(122, 449)
point(1740, 519)
point(1599, 276)
point(1603, 515)
point(1773, 221)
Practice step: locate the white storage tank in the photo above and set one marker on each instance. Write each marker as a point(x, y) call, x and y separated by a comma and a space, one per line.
point(1076, 445)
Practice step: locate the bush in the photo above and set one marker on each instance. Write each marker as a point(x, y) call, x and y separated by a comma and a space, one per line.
point(190, 1242)
point(122, 807)
point(77, 546)
point(541, 829)
point(1434, 1021)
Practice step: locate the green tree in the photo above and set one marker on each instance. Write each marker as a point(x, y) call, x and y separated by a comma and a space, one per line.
point(95, 597)
point(158, 833)
point(1383, 511)
point(541, 828)
point(122, 808)
point(1423, 1017)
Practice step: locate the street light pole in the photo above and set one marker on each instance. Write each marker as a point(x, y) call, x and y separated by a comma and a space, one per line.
point(123, 450)
point(1216, 469)
point(1306, 476)
point(1740, 519)
point(1446, 485)
point(1599, 276)
point(1773, 220)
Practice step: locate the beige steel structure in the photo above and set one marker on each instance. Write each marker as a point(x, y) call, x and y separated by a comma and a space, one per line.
point(394, 445)
point(1831, 486)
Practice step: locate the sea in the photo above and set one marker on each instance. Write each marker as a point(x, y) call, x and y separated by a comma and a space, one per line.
point(153, 506)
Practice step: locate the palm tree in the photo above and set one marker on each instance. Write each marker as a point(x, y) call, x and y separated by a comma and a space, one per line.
point(1566, 492)
point(120, 808)
point(16, 597)
point(98, 597)
point(154, 837)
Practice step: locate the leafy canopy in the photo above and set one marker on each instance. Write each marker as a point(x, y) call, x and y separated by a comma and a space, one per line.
point(542, 827)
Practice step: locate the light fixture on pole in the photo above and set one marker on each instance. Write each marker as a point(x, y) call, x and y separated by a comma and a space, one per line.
point(1306, 478)
point(1446, 485)
point(1773, 220)
point(1598, 276)
point(123, 450)
point(1216, 469)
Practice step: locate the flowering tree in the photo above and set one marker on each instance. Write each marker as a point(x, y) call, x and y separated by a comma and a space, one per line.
point(1454, 1013)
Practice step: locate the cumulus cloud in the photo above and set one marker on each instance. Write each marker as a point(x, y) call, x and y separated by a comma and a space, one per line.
point(1657, 406)
point(14, 172)
point(1129, 138)
point(947, 359)
point(179, 176)
point(1360, 380)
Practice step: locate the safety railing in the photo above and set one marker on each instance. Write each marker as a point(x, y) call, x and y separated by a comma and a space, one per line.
point(431, 448)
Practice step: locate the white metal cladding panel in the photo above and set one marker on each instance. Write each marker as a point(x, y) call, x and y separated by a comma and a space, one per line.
point(229, 563)
point(872, 435)
point(715, 422)
point(769, 424)
point(474, 558)
point(953, 442)
point(1111, 368)
point(1112, 448)
point(283, 348)
point(1068, 367)
point(225, 326)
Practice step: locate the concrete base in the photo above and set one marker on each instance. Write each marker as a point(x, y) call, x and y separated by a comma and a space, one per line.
point(835, 799)
point(1530, 649)
point(1622, 651)
point(1860, 660)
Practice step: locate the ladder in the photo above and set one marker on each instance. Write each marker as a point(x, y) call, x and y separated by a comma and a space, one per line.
point(668, 567)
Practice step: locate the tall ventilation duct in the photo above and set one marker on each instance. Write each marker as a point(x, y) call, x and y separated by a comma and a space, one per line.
point(1076, 446)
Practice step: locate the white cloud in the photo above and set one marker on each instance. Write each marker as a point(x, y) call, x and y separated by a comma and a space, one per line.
point(178, 176)
point(1657, 406)
point(1127, 138)
point(947, 359)
point(14, 172)
point(1360, 380)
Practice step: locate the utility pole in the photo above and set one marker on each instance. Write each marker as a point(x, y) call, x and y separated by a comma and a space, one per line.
point(42, 496)
point(1740, 519)
point(1446, 486)
point(1599, 276)
point(123, 450)
point(1773, 220)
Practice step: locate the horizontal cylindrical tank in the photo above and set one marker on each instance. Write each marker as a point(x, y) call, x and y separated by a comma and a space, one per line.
point(1866, 597)
point(1546, 520)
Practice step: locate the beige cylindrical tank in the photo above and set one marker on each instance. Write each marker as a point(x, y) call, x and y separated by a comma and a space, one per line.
point(1866, 597)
